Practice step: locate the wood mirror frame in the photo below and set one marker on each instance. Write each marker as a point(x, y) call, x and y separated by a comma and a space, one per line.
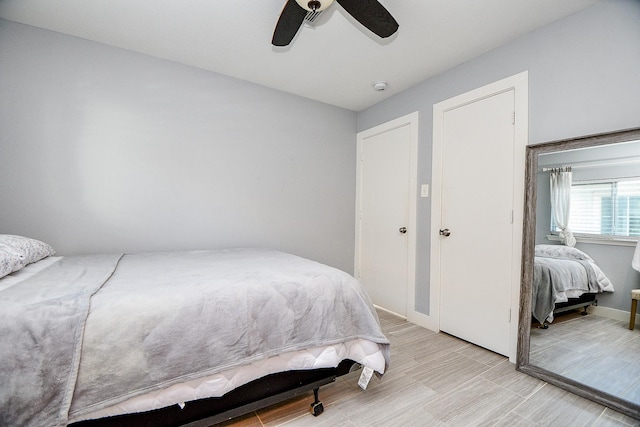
point(528, 246)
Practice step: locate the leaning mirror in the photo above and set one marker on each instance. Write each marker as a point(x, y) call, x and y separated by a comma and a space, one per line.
point(581, 228)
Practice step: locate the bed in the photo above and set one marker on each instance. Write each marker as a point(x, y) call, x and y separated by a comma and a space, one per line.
point(116, 339)
point(564, 278)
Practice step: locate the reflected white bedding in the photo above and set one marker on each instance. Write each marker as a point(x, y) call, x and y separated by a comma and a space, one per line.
point(563, 272)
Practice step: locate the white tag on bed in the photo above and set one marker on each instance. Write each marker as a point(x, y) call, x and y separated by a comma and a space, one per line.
point(365, 376)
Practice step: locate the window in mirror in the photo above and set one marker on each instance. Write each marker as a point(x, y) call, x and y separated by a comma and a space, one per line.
point(604, 209)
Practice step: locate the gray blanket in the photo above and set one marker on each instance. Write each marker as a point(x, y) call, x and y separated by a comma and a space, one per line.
point(166, 318)
point(553, 277)
point(41, 325)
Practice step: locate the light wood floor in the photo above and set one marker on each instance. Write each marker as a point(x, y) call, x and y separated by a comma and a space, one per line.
point(439, 380)
point(592, 350)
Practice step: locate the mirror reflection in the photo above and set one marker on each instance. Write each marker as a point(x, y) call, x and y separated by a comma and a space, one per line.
point(581, 267)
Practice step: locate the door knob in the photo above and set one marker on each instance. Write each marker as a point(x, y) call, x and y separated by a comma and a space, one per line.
point(445, 232)
point(403, 230)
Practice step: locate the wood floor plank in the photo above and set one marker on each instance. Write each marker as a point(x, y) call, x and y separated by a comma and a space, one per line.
point(476, 402)
point(482, 355)
point(506, 376)
point(512, 419)
point(449, 372)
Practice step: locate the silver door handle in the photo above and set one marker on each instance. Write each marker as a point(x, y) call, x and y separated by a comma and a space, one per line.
point(403, 230)
point(445, 232)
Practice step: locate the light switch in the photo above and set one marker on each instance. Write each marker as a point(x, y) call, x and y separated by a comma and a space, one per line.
point(424, 190)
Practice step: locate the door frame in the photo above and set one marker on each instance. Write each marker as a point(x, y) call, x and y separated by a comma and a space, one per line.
point(410, 120)
point(519, 83)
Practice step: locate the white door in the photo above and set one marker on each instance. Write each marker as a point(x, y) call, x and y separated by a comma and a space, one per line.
point(477, 197)
point(384, 218)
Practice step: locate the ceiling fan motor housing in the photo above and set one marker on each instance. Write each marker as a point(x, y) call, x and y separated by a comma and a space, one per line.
point(314, 5)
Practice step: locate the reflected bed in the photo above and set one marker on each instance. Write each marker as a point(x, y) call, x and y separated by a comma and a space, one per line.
point(564, 278)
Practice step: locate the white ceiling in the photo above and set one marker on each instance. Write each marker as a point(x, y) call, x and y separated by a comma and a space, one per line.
point(335, 62)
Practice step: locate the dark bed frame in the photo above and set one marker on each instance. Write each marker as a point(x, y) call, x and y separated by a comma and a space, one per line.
point(583, 301)
point(245, 399)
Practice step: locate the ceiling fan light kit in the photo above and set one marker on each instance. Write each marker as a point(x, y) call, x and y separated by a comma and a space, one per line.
point(370, 13)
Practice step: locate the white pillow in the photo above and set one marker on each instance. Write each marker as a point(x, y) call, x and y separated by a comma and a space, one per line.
point(10, 262)
point(31, 250)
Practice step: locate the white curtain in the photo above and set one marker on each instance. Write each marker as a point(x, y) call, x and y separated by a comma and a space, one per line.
point(560, 180)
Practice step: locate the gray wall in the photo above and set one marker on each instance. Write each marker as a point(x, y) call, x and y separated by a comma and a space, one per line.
point(106, 150)
point(583, 79)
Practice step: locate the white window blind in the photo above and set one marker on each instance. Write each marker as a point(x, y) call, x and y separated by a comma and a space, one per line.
point(605, 208)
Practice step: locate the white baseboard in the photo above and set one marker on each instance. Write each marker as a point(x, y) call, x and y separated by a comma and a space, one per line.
point(389, 311)
point(612, 313)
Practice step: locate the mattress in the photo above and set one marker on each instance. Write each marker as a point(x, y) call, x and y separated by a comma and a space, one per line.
point(364, 352)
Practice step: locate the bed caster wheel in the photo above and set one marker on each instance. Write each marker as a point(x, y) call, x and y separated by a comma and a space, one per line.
point(316, 406)
point(317, 409)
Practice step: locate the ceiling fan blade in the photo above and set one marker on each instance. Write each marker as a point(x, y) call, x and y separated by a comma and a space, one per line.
point(372, 15)
point(288, 24)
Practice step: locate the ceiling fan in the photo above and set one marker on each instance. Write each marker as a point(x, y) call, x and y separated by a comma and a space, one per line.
point(369, 13)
